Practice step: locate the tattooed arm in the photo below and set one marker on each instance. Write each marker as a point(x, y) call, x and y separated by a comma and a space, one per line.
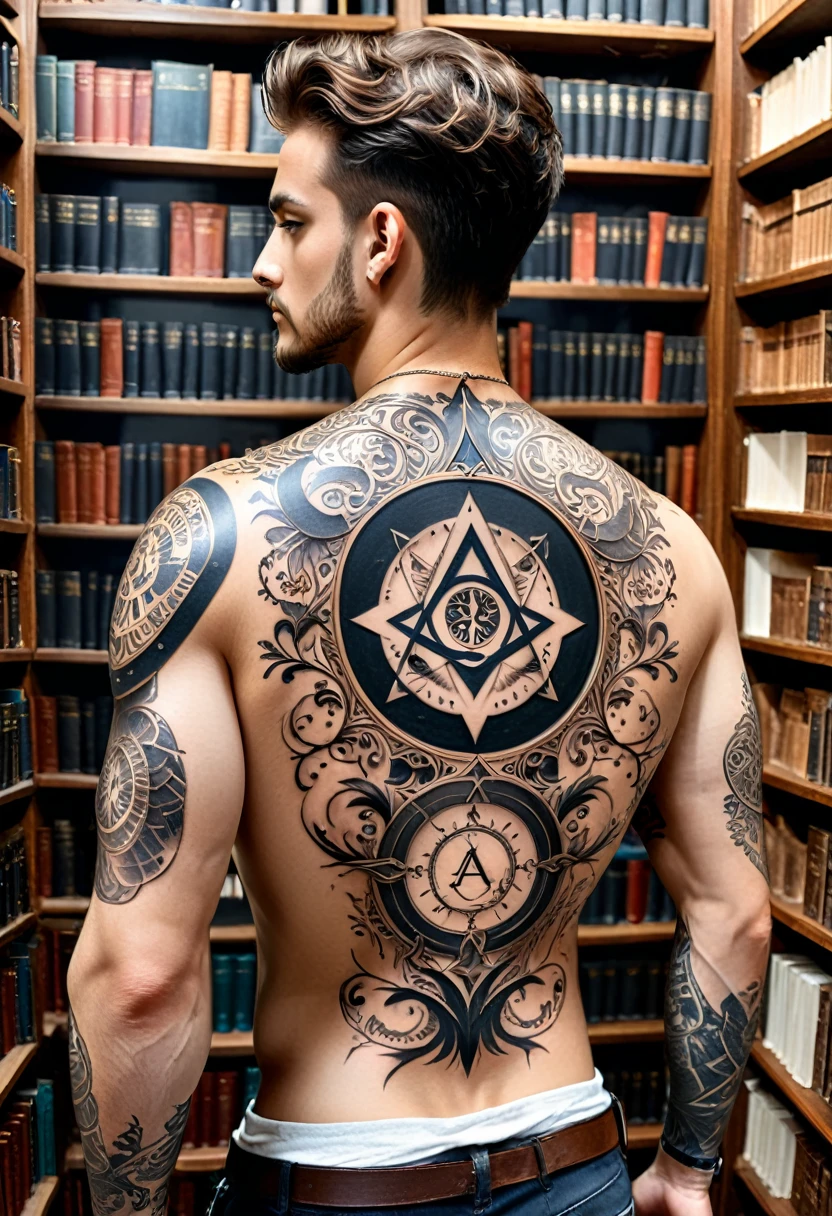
point(167, 808)
point(704, 835)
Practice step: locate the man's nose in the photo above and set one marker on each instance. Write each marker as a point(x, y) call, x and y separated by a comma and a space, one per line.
point(267, 270)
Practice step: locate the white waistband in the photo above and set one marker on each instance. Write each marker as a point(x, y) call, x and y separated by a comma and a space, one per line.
point(382, 1142)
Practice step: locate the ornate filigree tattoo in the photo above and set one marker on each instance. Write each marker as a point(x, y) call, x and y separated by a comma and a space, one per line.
point(743, 764)
point(472, 612)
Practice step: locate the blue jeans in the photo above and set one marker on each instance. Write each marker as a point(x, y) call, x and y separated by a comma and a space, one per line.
point(600, 1187)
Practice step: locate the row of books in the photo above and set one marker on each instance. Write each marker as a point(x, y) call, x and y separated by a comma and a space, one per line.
point(758, 11)
point(8, 217)
point(15, 737)
point(10, 632)
point(811, 1193)
point(660, 250)
point(642, 1092)
point(74, 608)
point(576, 366)
point(787, 596)
point(770, 1145)
point(9, 482)
point(622, 989)
point(14, 876)
point(66, 851)
point(173, 105)
point(10, 78)
point(817, 892)
point(630, 121)
point(786, 854)
point(793, 231)
point(17, 992)
point(790, 102)
point(88, 483)
point(629, 890)
point(788, 355)
point(217, 1105)
point(797, 1018)
point(80, 233)
point(11, 350)
point(672, 474)
point(233, 988)
point(788, 471)
point(71, 734)
point(690, 13)
point(797, 732)
point(27, 1144)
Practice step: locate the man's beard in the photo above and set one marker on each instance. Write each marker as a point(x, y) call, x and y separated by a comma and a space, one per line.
point(332, 318)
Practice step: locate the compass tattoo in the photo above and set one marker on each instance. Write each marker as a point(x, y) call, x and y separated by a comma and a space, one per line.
point(470, 640)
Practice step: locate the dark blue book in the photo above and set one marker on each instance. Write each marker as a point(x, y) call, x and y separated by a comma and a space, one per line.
point(43, 233)
point(69, 733)
point(88, 736)
point(632, 123)
point(246, 360)
point(209, 361)
point(263, 137)
point(244, 991)
point(180, 104)
point(89, 609)
point(17, 697)
point(172, 337)
point(90, 338)
point(46, 97)
point(140, 239)
point(141, 487)
point(567, 116)
point(68, 604)
point(103, 721)
point(67, 359)
point(583, 118)
point(648, 105)
point(663, 124)
point(62, 235)
point(598, 92)
point(229, 339)
point(190, 361)
point(44, 357)
point(46, 608)
point(265, 362)
point(128, 455)
point(240, 254)
point(154, 475)
point(540, 360)
point(151, 361)
point(616, 100)
point(106, 595)
point(109, 233)
point(680, 141)
point(700, 129)
point(88, 234)
point(130, 356)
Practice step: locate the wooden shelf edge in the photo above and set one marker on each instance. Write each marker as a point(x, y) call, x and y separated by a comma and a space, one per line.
point(19, 790)
point(758, 1189)
point(791, 783)
point(39, 1201)
point(230, 21)
point(150, 283)
point(601, 166)
point(65, 654)
point(13, 388)
point(234, 1043)
point(810, 277)
point(66, 781)
point(606, 32)
point(809, 1104)
point(63, 905)
point(19, 925)
point(793, 916)
point(12, 1065)
point(642, 1030)
point(193, 407)
point(780, 26)
point(801, 652)
point(643, 1135)
point(623, 934)
point(769, 160)
point(807, 521)
point(92, 531)
point(797, 396)
point(12, 263)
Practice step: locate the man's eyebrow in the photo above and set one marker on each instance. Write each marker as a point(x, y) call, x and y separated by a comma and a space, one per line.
point(278, 200)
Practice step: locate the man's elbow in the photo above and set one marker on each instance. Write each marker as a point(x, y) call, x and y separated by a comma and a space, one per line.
point(134, 993)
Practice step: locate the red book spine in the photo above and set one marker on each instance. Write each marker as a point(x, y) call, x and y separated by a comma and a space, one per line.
point(104, 106)
point(638, 886)
point(142, 103)
point(181, 239)
point(651, 378)
point(169, 467)
point(84, 100)
point(688, 494)
point(584, 237)
point(225, 450)
point(124, 106)
point(199, 458)
point(46, 734)
point(206, 1115)
point(66, 481)
point(83, 457)
point(183, 462)
point(525, 338)
point(44, 860)
point(656, 227)
point(112, 483)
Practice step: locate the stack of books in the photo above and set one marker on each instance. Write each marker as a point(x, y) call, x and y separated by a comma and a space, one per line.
point(817, 892)
point(622, 989)
point(785, 356)
point(630, 121)
point(790, 102)
point(786, 595)
point(18, 966)
point(788, 471)
point(15, 738)
point(629, 890)
point(14, 875)
point(71, 732)
point(641, 1085)
point(27, 1143)
point(798, 1014)
point(770, 1146)
point(233, 987)
point(793, 231)
point(169, 104)
point(797, 730)
point(74, 608)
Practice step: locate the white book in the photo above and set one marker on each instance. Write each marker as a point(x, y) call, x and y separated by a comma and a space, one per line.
point(756, 617)
point(776, 470)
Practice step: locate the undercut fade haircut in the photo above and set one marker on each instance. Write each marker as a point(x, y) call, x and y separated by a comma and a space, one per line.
point(458, 135)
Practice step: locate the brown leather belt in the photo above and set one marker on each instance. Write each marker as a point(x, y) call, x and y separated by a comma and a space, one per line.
point(339, 1187)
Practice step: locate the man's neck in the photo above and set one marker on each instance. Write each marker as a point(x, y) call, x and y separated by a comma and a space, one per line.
point(462, 347)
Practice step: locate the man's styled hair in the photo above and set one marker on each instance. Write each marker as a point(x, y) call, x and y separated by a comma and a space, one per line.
point(455, 133)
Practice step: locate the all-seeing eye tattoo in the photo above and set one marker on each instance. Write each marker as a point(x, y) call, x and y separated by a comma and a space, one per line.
point(471, 626)
point(743, 764)
point(176, 566)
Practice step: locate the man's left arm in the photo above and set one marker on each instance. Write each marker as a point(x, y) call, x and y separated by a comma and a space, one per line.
point(168, 805)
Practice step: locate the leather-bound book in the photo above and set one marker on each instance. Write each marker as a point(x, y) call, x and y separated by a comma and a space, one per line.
point(104, 105)
point(98, 483)
point(109, 233)
point(140, 485)
point(209, 239)
point(225, 450)
point(219, 118)
point(652, 373)
point(656, 228)
point(45, 605)
point(169, 468)
point(817, 860)
point(199, 458)
point(181, 239)
point(687, 497)
point(190, 1133)
point(84, 100)
point(112, 357)
point(89, 336)
point(228, 1098)
point(513, 376)
point(131, 346)
point(183, 462)
point(44, 481)
point(8, 1002)
point(207, 1113)
point(584, 234)
point(83, 461)
point(66, 481)
point(124, 106)
point(240, 111)
point(69, 733)
point(88, 234)
point(822, 1040)
point(638, 885)
point(46, 734)
point(142, 104)
point(140, 239)
point(128, 462)
point(112, 483)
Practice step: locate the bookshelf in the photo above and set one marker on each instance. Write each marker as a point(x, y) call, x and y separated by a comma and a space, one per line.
point(759, 1192)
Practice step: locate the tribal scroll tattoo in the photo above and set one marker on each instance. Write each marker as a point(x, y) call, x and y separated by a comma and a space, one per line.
point(471, 619)
point(707, 1050)
point(176, 567)
point(743, 765)
point(134, 1177)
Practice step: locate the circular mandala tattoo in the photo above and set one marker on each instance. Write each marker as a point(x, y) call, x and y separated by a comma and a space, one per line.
point(469, 615)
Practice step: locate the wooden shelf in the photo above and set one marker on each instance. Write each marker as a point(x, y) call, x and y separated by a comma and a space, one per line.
point(644, 1030)
point(809, 1104)
point(797, 24)
point(191, 162)
point(626, 934)
point(18, 526)
point(64, 654)
point(66, 781)
point(577, 37)
point(798, 396)
point(11, 131)
point(644, 1135)
point(15, 654)
point(233, 933)
point(797, 162)
point(814, 277)
point(19, 925)
point(534, 289)
point(12, 1065)
point(235, 1043)
point(807, 521)
point(629, 170)
point(757, 1188)
point(91, 531)
point(64, 905)
point(146, 20)
point(152, 283)
point(12, 388)
point(186, 407)
point(792, 915)
point(801, 652)
point(189, 1161)
point(12, 264)
point(20, 790)
point(616, 409)
point(781, 779)
point(40, 1200)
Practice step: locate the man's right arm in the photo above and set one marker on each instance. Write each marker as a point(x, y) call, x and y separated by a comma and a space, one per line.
point(704, 833)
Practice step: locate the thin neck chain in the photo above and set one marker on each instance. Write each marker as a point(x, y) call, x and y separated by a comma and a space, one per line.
point(429, 371)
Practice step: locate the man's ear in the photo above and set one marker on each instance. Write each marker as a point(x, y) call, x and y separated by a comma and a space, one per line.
point(387, 229)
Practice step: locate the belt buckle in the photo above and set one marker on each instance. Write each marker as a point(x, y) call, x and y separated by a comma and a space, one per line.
point(620, 1121)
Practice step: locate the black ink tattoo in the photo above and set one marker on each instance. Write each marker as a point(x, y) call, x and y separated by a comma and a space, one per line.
point(707, 1050)
point(140, 800)
point(743, 765)
point(134, 1176)
point(471, 624)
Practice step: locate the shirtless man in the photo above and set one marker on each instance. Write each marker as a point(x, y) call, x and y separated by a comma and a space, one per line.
point(415, 667)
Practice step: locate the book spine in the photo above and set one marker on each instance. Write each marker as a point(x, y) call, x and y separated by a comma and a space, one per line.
point(104, 105)
point(190, 362)
point(112, 483)
point(151, 362)
point(131, 358)
point(62, 240)
point(172, 336)
point(141, 485)
point(695, 274)
point(66, 101)
point(246, 364)
point(583, 119)
point(229, 340)
point(84, 100)
point(90, 342)
point(154, 475)
point(44, 357)
point(174, 122)
point(651, 376)
point(181, 240)
point(112, 357)
point(596, 367)
point(44, 481)
point(126, 483)
point(46, 608)
point(66, 481)
point(109, 234)
point(663, 124)
point(688, 490)
point(89, 609)
point(68, 604)
point(43, 233)
point(616, 120)
point(700, 129)
point(69, 734)
point(142, 106)
point(699, 392)
point(46, 97)
point(124, 106)
point(680, 141)
point(140, 247)
point(598, 125)
point(656, 228)
point(648, 107)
